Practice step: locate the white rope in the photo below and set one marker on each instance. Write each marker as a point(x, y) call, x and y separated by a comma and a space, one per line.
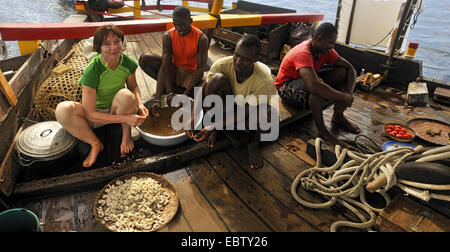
point(344, 182)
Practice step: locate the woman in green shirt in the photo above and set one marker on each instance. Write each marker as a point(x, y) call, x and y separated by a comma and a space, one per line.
point(105, 98)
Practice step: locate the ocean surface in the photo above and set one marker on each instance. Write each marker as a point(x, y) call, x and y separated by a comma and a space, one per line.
point(432, 30)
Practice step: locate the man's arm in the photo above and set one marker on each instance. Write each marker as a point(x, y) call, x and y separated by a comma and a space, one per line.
point(316, 86)
point(351, 74)
point(165, 71)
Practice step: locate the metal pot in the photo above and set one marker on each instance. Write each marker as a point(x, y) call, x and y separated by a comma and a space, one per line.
point(44, 141)
point(167, 140)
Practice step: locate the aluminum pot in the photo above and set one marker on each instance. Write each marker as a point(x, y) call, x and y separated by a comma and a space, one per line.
point(43, 142)
point(167, 140)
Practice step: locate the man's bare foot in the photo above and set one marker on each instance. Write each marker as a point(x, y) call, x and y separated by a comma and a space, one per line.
point(345, 124)
point(255, 158)
point(92, 157)
point(331, 140)
point(127, 144)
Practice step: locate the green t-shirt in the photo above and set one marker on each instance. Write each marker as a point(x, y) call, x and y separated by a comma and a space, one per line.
point(105, 80)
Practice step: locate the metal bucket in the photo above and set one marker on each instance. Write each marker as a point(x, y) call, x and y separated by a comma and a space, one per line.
point(19, 220)
point(167, 140)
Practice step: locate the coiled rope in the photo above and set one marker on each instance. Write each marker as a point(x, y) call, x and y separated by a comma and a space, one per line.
point(345, 182)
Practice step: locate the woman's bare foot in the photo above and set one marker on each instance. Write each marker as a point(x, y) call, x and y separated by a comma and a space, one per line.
point(127, 144)
point(255, 158)
point(92, 157)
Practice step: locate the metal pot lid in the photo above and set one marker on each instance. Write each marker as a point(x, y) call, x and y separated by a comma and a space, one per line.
point(45, 139)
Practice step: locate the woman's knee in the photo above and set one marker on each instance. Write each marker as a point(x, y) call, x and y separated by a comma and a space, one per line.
point(124, 102)
point(66, 109)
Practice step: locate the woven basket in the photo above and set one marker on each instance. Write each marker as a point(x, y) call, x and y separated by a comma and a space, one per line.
point(62, 87)
point(404, 140)
point(169, 211)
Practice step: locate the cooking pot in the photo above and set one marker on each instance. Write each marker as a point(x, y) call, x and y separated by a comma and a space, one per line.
point(44, 141)
point(168, 140)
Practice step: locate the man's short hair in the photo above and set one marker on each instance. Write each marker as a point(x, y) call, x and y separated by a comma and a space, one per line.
point(182, 12)
point(325, 30)
point(250, 40)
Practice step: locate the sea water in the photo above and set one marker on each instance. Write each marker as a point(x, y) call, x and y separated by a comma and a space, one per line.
point(431, 31)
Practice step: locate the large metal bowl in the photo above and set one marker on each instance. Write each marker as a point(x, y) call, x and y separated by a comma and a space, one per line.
point(167, 140)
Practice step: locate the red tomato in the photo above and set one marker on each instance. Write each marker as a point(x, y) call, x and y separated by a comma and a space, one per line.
point(391, 127)
point(388, 130)
point(394, 132)
point(407, 135)
point(399, 135)
point(403, 131)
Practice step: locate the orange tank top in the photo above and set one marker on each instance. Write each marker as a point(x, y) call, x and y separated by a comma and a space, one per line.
point(184, 49)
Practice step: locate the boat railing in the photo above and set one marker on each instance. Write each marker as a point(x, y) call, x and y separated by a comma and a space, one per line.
point(137, 8)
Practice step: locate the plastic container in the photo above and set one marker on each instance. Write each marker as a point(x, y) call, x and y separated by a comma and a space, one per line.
point(412, 49)
point(19, 220)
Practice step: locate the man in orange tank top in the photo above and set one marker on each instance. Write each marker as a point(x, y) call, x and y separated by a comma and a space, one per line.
point(183, 60)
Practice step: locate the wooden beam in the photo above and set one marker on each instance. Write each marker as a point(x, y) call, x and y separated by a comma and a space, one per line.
point(7, 90)
point(51, 31)
point(350, 23)
point(98, 177)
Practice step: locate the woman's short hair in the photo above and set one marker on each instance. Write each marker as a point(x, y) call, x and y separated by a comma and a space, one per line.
point(102, 33)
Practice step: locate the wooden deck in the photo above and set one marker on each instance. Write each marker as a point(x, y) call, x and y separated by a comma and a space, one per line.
point(219, 192)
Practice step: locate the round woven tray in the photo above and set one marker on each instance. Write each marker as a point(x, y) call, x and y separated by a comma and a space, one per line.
point(169, 210)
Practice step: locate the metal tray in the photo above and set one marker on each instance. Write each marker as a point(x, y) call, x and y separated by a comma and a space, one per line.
point(421, 127)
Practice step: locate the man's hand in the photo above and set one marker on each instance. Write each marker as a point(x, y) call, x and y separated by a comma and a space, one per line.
point(348, 101)
point(203, 134)
point(156, 105)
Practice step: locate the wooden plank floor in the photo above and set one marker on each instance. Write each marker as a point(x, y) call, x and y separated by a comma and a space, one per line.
point(221, 193)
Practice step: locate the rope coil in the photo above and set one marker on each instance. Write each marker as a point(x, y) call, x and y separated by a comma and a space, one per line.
point(345, 182)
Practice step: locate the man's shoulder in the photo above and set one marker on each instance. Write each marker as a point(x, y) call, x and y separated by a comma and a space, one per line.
point(302, 48)
point(223, 61)
point(263, 70)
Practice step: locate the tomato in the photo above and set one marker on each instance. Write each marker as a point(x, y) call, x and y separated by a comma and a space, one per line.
point(403, 131)
point(391, 127)
point(394, 132)
point(407, 135)
point(388, 130)
point(399, 135)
